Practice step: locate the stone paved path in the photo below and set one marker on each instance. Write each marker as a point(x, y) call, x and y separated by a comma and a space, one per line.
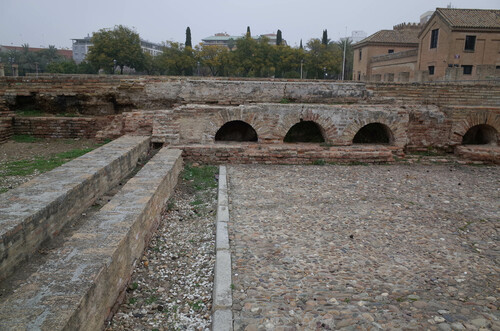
point(365, 247)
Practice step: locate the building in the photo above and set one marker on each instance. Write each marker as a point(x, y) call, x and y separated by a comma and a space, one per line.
point(224, 39)
point(81, 48)
point(460, 44)
point(62, 52)
point(449, 45)
point(372, 54)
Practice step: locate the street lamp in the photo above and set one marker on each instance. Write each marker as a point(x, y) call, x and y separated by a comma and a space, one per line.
point(301, 64)
point(114, 66)
point(198, 68)
point(324, 69)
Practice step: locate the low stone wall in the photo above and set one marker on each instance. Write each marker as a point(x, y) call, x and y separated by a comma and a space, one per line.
point(38, 209)
point(483, 153)
point(61, 127)
point(5, 129)
point(80, 282)
point(287, 154)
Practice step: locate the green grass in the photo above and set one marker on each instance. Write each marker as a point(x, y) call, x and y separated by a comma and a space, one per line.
point(200, 178)
point(40, 164)
point(24, 138)
point(151, 300)
point(29, 113)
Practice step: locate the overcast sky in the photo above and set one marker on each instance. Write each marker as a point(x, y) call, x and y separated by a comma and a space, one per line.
point(56, 22)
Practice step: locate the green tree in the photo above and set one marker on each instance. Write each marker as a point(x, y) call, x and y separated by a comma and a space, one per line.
point(188, 38)
point(176, 60)
point(120, 47)
point(301, 47)
point(325, 39)
point(323, 61)
point(214, 57)
point(248, 35)
point(231, 43)
point(279, 38)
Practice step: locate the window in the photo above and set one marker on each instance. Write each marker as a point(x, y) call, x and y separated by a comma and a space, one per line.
point(467, 70)
point(360, 54)
point(390, 51)
point(434, 38)
point(431, 70)
point(470, 43)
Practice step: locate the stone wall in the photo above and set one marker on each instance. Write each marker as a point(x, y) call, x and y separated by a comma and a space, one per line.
point(287, 154)
point(6, 119)
point(105, 95)
point(439, 94)
point(60, 127)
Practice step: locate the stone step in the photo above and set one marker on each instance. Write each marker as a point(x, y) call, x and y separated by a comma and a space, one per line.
point(36, 211)
point(79, 282)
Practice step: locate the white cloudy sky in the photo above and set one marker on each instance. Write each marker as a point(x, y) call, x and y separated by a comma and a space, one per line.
point(55, 22)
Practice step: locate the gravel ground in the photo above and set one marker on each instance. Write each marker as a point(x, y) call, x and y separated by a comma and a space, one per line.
point(171, 287)
point(365, 247)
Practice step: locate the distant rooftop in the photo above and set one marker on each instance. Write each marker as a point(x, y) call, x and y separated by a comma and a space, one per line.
point(399, 36)
point(470, 18)
point(67, 53)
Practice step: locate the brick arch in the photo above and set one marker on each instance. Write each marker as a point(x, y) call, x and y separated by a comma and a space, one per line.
point(398, 129)
point(461, 127)
point(225, 116)
point(326, 125)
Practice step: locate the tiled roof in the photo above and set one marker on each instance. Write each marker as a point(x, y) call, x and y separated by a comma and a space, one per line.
point(470, 18)
point(409, 37)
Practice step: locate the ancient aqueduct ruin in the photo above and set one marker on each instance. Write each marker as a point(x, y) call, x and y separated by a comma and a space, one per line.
point(214, 121)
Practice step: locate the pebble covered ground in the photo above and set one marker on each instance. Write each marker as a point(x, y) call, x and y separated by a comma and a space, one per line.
point(411, 247)
point(171, 287)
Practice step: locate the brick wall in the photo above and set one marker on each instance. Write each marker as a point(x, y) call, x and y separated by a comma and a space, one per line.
point(287, 153)
point(6, 130)
point(439, 94)
point(60, 127)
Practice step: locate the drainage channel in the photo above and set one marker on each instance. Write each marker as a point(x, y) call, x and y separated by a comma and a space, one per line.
point(42, 255)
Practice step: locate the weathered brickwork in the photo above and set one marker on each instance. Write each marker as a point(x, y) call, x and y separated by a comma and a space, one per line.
point(181, 111)
point(60, 127)
point(287, 154)
point(6, 130)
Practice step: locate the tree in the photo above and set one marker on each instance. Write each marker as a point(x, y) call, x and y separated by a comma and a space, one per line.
point(325, 39)
point(176, 60)
point(230, 44)
point(323, 61)
point(214, 57)
point(120, 47)
point(188, 38)
point(301, 47)
point(248, 35)
point(279, 38)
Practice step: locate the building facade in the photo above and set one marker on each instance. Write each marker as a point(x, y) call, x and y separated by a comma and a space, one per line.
point(380, 48)
point(224, 39)
point(449, 45)
point(460, 44)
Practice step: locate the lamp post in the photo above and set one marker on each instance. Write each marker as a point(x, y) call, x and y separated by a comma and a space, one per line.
point(301, 64)
point(324, 70)
point(114, 66)
point(198, 66)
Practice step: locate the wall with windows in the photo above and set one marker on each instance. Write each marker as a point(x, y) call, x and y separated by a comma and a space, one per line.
point(450, 55)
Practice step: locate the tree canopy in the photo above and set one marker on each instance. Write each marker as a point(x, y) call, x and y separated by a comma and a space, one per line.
point(188, 38)
point(117, 48)
point(279, 38)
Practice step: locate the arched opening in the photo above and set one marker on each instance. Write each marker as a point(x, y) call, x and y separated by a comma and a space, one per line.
point(374, 133)
point(481, 134)
point(236, 131)
point(304, 132)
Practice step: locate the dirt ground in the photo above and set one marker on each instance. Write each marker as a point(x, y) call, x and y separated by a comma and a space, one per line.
point(44, 148)
point(15, 151)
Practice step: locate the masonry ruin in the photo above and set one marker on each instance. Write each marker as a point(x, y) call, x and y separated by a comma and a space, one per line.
point(259, 114)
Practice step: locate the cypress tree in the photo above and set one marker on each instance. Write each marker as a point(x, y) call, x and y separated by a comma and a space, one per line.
point(188, 38)
point(301, 44)
point(248, 32)
point(279, 39)
point(324, 41)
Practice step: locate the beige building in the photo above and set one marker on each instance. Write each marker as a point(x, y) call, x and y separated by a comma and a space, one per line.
point(454, 44)
point(372, 55)
point(460, 44)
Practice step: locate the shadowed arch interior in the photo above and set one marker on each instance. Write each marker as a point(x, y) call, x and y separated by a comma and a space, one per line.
point(374, 133)
point(304, 132)
point(481, 134)
point(236, 131)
